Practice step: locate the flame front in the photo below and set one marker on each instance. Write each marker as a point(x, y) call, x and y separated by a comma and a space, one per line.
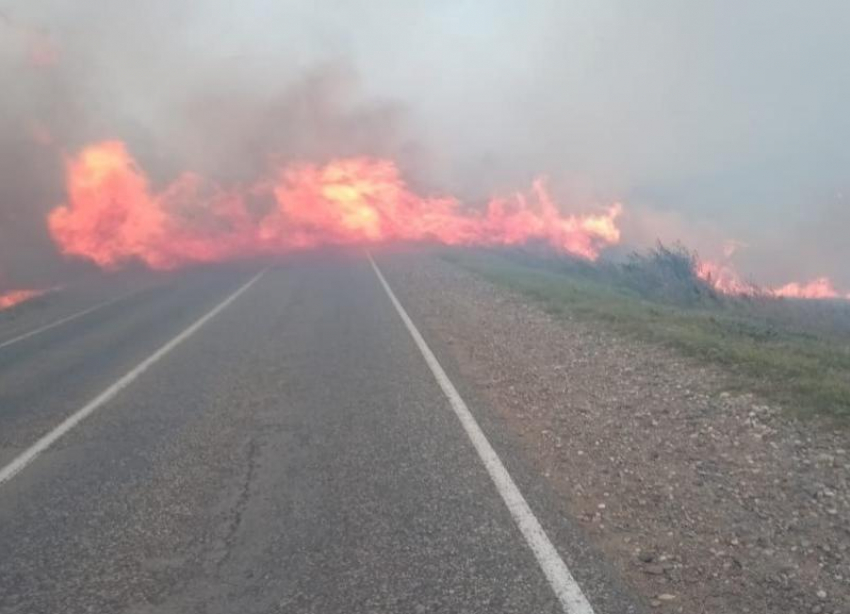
point(725, 279)
point(819, 288)
point(113, 216)
point(15, 297)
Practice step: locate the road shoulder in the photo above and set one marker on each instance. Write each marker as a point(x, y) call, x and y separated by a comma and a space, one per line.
point(705, 499)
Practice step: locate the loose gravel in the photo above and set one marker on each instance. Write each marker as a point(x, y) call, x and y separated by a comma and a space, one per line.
point(708, 500)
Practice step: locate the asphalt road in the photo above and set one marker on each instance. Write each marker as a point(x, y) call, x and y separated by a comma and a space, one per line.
point(293, 454)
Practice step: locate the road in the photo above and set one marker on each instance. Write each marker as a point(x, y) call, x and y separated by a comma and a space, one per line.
point(281, 446)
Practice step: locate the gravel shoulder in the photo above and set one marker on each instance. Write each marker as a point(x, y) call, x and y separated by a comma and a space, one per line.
point(707, 500)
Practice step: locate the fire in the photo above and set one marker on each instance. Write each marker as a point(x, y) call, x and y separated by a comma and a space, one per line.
point(819, 288)
point(113, 215)
point(15, 297)
point(725, 279)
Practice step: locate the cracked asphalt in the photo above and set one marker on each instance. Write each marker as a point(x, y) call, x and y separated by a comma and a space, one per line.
point(295, 455)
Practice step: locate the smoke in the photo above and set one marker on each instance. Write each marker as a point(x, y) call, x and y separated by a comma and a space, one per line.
point(711, 123)
point(132, 73)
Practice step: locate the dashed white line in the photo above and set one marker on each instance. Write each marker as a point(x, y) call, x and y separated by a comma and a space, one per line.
point(65, 320)
point(566, 588)
point(31, 453)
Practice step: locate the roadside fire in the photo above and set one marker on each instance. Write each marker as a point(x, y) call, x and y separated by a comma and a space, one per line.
point(16, 297)
point(821, 288)
point(726, 280)
point(113, 215)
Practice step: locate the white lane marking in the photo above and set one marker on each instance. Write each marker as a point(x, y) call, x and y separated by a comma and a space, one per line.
point(65, 320)
point(31, 453)
point(560, 579)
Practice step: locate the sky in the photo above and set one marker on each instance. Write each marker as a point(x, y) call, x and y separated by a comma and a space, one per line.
point(713, 123)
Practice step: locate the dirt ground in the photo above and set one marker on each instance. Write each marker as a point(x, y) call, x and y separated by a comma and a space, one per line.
point(707, 500)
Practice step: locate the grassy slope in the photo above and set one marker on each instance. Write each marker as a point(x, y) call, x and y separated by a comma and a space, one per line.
point(804, 371)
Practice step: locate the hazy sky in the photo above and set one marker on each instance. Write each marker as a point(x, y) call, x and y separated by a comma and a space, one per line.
point(710, 120)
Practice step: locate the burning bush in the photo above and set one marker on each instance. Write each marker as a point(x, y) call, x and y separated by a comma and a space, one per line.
point(669, 274)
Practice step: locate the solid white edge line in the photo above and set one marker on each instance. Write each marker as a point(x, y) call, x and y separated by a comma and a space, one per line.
point(65, 320)
point(566, 588)
point(31, 453)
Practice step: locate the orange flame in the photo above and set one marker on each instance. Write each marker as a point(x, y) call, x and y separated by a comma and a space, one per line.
point(821, 288)
point(112, 215)
point(15, 297)
point(725, 279)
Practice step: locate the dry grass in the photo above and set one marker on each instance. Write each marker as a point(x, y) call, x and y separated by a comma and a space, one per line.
point(794, 352)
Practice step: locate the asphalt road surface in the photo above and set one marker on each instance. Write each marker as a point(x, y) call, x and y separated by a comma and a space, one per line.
point(223, 441)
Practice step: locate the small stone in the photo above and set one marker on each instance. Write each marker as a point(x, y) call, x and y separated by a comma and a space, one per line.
point(821, 594)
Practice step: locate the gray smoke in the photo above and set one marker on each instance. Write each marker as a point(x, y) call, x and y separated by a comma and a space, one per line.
point(710, 121)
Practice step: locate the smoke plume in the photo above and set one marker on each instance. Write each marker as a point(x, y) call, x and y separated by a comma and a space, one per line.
point(712, 124)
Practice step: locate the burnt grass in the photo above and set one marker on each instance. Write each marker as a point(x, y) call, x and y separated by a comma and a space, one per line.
point(793, 352)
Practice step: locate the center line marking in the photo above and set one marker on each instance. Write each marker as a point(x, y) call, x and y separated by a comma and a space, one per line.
point(566, 588)
point(31, 453)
